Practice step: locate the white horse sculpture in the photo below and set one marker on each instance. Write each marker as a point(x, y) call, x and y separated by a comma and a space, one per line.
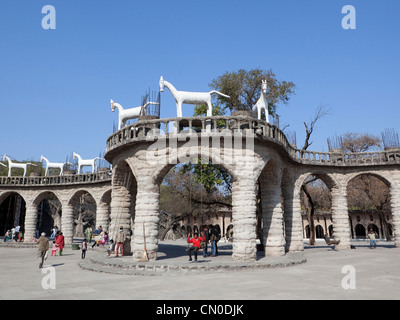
point(12, 165)
point(86, 163)
point(132, 113)
point(262, 103)
point(53, 165)
point(189, 97)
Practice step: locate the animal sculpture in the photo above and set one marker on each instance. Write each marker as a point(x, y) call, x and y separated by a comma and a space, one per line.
point(190, 97)
point(86, 162)
point(128, 114)
point(12, 165)
point(262, 103)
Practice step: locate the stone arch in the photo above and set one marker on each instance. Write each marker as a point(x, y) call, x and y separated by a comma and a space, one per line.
point(366, 189)
point(103, 210)
point(332, 184)
point(15, 201)
point(161, 171)
point(45, 221)
point(79, 222)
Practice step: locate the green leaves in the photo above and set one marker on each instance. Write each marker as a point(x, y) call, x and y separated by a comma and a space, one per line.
point(244, 88)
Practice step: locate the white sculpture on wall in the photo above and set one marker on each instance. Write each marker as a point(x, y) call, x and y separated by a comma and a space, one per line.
point(262, 103)
point(128, 114)
point(53, 165)
point(189, 97)
point(12, 165)
point(86, 163)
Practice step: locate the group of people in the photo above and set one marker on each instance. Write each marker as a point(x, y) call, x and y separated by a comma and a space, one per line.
point(209, 235)
point(43, 246)
point(16, 234)
point(102, 238)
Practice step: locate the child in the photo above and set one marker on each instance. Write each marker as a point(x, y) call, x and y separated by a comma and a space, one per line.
point(84, 248)
point(54, 248)
point(110, 247)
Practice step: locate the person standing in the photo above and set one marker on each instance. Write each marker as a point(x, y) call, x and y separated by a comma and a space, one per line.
point(60, 242)
point(43, 247)
point(88, 234)
point(84, 248)
point(207, 236)
point(120, 239)
point(372, 238)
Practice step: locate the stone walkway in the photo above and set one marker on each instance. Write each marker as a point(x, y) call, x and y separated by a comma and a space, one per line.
point(320, 277)
point(173, 258)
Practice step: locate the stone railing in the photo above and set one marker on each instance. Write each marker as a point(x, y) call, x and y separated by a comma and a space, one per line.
point(86, 178)
point(242, 124)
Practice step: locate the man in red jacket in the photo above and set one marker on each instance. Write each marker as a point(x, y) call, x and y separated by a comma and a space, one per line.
point(196, 241)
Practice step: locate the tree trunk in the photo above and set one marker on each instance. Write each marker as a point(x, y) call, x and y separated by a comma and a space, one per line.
point(310, 215)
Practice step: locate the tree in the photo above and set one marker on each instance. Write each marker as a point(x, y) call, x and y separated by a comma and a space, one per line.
point(181, 186)
point(320, 112)
point(356, 142)
point(244, 88)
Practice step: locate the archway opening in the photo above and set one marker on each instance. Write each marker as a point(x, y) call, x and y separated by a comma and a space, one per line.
point(204, 194)
point(84, 212)
point(316, 205)
point(12, 212)
point(49, 213)
point(368, 198)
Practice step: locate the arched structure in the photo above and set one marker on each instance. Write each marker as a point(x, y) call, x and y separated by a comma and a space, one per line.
point(251, 151)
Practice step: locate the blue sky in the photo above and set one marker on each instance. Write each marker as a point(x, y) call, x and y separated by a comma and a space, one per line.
point(56, 85)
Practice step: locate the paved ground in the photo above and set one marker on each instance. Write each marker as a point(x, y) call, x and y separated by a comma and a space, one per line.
point(377, 276)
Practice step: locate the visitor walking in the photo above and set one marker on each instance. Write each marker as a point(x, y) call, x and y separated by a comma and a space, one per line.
point(43, 247)
point(54, 248)
point(120, 239)
point(84, 248)
point(372, 238)
point(196, 245)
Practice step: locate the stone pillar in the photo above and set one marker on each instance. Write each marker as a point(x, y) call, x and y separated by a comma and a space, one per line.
point(31, 214)
point(274, 241)
point(244, 220)
point(395, 204)
point(67, 223)
point(103, 216)
point(121, 202)
point(340, 217)
point(147, 215)
point(292, 217)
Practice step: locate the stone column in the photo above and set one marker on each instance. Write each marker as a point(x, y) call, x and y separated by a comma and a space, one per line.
point(292, 217)
point(121, 198)
point(103, 216)
point(395, 204)
point(67, 223)
point(147, 215)
point(340, 217)
point(244, 220)
point(274, 241)
point(31, 214)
